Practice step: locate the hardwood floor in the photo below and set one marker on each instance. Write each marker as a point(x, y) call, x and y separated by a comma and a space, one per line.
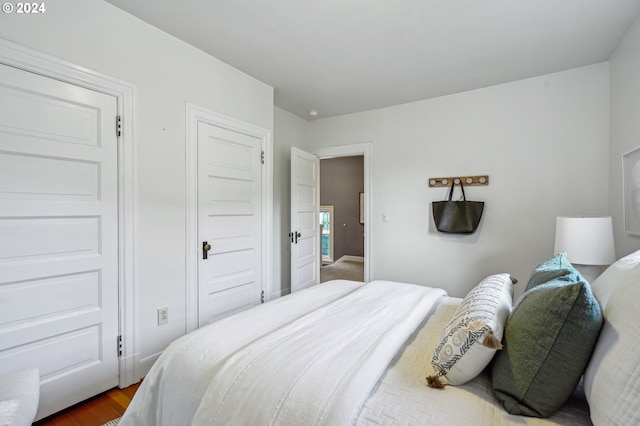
point(95, 411)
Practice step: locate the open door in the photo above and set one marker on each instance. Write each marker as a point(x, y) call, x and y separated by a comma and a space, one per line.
point(305, 220)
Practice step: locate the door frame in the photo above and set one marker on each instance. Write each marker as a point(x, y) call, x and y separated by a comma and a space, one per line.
point(351, 150)
point(125, 93)
point(194, 115)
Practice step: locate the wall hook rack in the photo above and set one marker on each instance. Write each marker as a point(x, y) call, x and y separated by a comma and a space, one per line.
point(482, 180)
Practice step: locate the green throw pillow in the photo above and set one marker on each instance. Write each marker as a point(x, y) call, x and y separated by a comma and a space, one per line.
point(548, 341)
point(556, 268)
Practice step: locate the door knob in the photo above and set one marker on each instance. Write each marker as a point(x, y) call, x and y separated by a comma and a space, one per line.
point(205, 249)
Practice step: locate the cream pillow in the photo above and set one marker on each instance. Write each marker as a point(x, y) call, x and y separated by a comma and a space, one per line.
point(473, 334)
point(612, 377)
point(606, 283)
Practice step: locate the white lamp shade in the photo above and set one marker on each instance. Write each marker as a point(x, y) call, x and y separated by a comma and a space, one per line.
point(586, 240)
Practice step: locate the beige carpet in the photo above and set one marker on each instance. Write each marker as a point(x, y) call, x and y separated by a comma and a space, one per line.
point(342, 270)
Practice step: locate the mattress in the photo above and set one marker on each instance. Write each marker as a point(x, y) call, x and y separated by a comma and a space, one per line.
point(403, 398)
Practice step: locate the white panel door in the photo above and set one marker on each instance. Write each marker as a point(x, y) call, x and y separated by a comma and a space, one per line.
point(305, 219)
point(59, 236)
point(229, 222)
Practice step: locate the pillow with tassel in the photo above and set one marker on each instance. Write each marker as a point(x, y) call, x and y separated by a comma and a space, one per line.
point(473, 335)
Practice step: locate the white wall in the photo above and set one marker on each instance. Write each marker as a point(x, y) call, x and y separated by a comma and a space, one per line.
point(168, 73)
point(289, 130)
point(542, 141)
point(625, 127)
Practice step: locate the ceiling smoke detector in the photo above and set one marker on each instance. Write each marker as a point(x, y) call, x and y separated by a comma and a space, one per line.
point(313, 112)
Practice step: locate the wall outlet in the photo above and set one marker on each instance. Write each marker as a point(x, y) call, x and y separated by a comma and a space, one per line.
point(163, 315)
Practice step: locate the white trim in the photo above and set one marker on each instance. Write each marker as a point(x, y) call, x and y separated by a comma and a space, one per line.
point(30, 60)
point(195, 114)
point(363, 149)
point(626, 189)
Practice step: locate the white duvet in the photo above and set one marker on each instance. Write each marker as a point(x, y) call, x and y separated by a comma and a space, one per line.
point(310, 358)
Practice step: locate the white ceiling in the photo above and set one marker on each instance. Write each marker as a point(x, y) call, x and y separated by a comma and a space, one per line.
point(344, 56)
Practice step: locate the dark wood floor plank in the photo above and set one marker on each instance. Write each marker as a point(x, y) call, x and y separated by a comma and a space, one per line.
point(98, 411)
point(118, 402)
point(63, 418)
point(131, 390)
point(95, 411)
point(121, 398)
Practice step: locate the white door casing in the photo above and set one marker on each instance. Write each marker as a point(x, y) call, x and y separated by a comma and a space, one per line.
point(229, 221)
point(194, 116)
point(59, 232)
point(305, 227)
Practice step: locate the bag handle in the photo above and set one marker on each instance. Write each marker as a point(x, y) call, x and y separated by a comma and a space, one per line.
point(453, 184)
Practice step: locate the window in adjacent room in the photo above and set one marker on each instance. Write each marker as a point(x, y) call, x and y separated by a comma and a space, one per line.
point(326, 225)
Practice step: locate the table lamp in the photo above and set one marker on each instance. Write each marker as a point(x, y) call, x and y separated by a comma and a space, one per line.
point(588, 242)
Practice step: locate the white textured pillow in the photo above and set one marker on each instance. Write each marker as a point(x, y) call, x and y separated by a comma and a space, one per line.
point(607, 282)
point(19, 396)
point(612, 378)
point(466, 343)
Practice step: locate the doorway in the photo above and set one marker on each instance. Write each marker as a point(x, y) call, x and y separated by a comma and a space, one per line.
point(342, 188)
point(362, 150)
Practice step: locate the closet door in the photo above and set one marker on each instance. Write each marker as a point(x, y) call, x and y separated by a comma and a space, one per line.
point(229, 221)
point(59, 234)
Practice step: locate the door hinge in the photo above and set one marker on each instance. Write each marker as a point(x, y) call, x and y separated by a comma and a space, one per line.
point(118, 126)
point(120, 345)
point(262, 297)
point(262, 157)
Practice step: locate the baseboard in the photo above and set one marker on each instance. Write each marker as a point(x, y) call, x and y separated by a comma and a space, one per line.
point(348, 258)
point(146, 363)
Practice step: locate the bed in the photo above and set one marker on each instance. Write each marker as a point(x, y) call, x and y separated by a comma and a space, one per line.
point(380, 353)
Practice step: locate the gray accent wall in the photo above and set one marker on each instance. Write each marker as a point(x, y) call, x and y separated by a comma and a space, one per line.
point(341, 181)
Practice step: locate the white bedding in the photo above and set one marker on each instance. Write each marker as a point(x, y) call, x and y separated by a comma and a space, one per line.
point(307, 367)
point(322, 356)
point(171, 391)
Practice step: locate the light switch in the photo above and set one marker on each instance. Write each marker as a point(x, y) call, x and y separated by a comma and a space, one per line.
point(385, 217)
